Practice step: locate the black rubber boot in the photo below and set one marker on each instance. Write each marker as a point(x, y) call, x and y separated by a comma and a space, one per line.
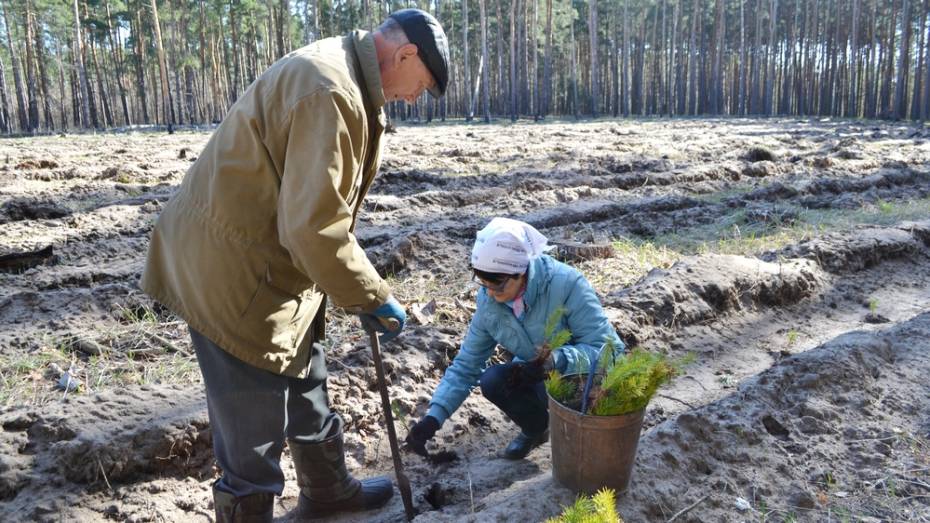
point(326, 487)
point(254, 508)
point(523, 444)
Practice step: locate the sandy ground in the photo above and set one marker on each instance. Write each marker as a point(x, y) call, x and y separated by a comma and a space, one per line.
point(792, 257)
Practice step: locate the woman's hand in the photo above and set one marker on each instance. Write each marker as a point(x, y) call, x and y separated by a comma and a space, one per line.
point(526, 373)
point(420, 433)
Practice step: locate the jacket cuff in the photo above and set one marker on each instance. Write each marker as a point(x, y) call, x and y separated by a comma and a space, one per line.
point(438, 412)
point(378, 298)
point(381, 296)
point(559, 361)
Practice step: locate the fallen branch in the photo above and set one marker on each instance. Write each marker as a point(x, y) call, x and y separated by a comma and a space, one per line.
point(167, 345)
point(683, 402)
point(686, 509)
point(104, 474)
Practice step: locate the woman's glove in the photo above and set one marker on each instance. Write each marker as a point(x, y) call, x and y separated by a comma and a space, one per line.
point(420, 433)
point(527, 373)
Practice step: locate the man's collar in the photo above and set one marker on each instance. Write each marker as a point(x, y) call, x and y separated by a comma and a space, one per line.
point(368, 63)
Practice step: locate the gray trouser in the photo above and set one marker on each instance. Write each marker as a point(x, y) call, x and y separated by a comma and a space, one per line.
point(252, 410)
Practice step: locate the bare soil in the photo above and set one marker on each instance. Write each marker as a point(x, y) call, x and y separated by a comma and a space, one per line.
point(792, 257)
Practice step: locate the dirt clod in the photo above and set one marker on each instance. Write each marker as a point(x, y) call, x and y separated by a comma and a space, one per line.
point(759, 154)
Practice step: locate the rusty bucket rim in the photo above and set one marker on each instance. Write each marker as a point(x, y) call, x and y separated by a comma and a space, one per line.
point(633, 416)
point(595, 422)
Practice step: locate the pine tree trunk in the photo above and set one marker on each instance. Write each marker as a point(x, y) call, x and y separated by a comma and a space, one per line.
point(236, 73)
point(501, 90)
point(167, 107)
point(741, 90)
point(140, 66)
point(672, 87)
point(592, 34)
point(89, 117)
point(75, 93)
point(48, 117)
point(216, 102)
point(513, 61)
point(118, 57)
point(21, 113)
point(852, 103)
point(887, 110)
point(523, 51)
point(625, 62)
point(716, 95)
point(904, 62)
point(32, 95)
point(6, 126)
point(574, 75)
point(282, 27)
point(614, 65)
point(547, 66)
point(756, 71)
point(534, 46)
point(918, 75)
point(772, 55)
point(692, 59)
point(485, 76)
point(466, 80)
point(925, 100)
point(173, 58)
point(61, 84)
point(659, 62)
point(104, 99)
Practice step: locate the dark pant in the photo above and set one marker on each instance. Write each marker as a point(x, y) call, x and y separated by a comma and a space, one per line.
point(252, 411)
point(527, 406)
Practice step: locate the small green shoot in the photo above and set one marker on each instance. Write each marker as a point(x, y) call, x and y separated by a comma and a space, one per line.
point(884, 207)
point(873, 305)
point(599, 508)
point(792, 337)
point(399, 412)
point(561, 389)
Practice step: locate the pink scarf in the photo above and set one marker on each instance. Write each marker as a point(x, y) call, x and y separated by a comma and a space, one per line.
point(517, 304)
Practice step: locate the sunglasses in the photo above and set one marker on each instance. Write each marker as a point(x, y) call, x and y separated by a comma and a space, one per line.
point(496, 287)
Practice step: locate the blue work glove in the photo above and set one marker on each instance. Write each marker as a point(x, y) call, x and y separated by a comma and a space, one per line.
point(388, 319)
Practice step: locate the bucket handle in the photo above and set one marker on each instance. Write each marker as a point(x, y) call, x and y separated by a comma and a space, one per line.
point(592, 370)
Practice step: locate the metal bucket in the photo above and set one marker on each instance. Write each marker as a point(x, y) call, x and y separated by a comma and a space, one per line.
point(592, 452)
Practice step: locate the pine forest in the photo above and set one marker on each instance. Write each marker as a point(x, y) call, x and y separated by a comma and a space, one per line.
point(81, 64)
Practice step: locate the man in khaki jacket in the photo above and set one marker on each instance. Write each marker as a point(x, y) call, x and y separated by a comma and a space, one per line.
point(260, 234)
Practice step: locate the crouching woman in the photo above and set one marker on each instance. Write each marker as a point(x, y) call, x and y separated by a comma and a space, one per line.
point(521, 289)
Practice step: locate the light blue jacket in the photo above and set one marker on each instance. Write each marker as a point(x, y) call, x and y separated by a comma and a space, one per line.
point(550, 285)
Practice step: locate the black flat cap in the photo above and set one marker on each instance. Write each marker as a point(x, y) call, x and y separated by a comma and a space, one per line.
point(425, 32)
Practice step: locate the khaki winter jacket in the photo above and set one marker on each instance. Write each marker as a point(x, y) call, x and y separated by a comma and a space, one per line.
point(261, 229)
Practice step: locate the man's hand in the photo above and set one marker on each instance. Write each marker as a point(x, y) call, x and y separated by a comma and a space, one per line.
point(388, 319)
point(420, 433)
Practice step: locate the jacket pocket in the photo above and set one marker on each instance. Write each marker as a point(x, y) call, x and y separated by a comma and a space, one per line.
point(272, 315)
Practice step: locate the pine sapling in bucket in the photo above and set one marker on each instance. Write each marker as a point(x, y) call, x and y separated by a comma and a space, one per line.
point(596, 417)
point(620, 385)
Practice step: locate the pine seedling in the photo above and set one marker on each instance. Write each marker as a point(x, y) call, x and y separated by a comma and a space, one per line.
point(631, 383)
point(607, 359)
point(605, 505)
point(553, 339)
point(599, 508)
point(552, 322)
point(561, 389)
